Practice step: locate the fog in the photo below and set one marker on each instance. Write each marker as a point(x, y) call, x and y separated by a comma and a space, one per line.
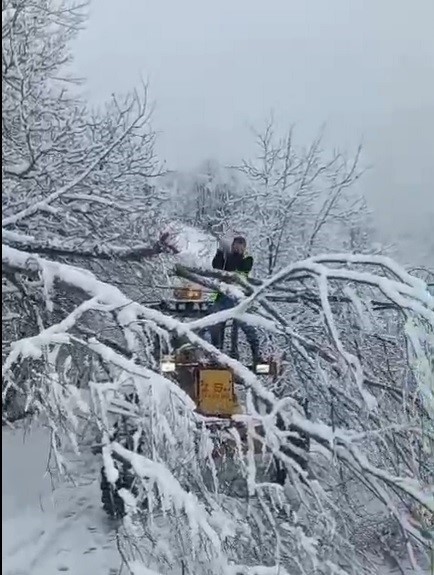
point(365, 68)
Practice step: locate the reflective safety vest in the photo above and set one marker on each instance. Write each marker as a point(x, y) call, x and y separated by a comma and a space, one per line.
point(217, 295)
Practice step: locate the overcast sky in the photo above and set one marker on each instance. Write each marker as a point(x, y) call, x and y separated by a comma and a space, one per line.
point(363, 67)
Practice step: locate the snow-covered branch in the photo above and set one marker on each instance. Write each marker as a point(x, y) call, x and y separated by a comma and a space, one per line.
point(29, 211)
point(66, 168)
point(86, 250)
point(357, 452)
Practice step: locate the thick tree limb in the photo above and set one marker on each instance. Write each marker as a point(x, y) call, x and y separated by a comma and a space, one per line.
point(56, 248)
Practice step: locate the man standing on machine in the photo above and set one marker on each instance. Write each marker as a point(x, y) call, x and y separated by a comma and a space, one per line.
point(233, 258)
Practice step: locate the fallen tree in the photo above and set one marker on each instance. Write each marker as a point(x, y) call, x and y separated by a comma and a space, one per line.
point(378, 435)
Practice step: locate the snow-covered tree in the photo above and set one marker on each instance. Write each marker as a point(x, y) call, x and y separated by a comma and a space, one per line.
point(81, 178)
point(298, 202)
point(77, 182)
point(206, 197)
point(371, 428)
point(355, 333)
point(290, 202)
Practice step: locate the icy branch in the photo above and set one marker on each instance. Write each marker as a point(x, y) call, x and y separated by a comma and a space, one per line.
point(32, 209)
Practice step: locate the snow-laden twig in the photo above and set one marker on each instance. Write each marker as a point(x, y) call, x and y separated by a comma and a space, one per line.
point(32, 209)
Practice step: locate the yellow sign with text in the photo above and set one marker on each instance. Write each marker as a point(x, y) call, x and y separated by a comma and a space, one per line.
point(216, 393)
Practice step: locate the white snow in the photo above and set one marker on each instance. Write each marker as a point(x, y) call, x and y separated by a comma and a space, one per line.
point(138, 569)
point(195, 247)
point(46, 531)
point(50, 530)
point(65, 530)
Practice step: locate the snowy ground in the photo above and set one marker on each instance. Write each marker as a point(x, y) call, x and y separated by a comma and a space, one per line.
point(50, 529)
point(46, 531)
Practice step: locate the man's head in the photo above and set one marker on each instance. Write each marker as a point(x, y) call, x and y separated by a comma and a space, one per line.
point(239, 245)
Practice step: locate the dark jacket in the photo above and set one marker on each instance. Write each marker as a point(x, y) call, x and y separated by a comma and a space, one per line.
point(232, 262)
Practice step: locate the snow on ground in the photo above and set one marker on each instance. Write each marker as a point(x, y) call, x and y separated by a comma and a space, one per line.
point(52, 529)
point(49, 531)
